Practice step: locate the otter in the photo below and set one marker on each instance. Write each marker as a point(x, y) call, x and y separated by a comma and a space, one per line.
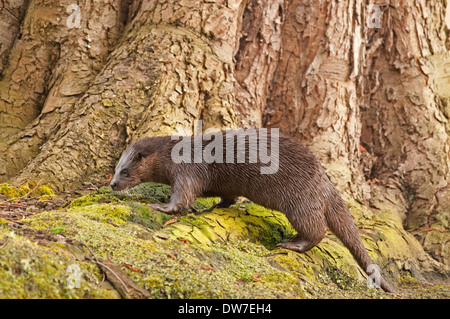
point(295, 185)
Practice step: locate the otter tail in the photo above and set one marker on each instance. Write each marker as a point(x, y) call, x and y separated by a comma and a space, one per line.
point(341, 223)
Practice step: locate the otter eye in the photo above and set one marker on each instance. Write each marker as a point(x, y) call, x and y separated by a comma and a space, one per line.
point(124, 172)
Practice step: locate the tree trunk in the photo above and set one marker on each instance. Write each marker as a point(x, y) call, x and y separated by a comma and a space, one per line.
point(51, 65)
point(313, 94)
point(405, 115)
point(366, 87)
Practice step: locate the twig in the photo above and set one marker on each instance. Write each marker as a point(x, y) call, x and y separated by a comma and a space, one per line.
point(17, 205)
point(4, 244)
point(434, 228)
point(117, 276)
point(103, 279)
point(94, 186)
point(108, 268)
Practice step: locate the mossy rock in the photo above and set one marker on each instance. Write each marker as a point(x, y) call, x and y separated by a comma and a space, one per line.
point(30, 270)
point(141, 214)
point(106, 229)
point(219, 253)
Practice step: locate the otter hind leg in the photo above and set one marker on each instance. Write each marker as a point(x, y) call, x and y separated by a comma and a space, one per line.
point(298, 244)
point(310, 233)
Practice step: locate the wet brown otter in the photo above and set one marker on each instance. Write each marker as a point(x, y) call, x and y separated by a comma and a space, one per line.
point(294, 182)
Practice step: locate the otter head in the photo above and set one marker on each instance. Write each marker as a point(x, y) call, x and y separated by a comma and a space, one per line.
point(141, 162)
point(127, 170)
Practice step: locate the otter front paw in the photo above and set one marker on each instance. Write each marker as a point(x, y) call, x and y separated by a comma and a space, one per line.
point(168, 208)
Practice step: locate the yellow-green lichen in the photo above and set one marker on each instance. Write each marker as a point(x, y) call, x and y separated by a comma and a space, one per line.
point(220, 253)
point(242, 221)
point(146, 192)
point(141, 214)
point(27, 190)
point(29, 270)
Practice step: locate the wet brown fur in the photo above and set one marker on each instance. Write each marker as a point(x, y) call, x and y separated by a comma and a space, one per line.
point(300, 189)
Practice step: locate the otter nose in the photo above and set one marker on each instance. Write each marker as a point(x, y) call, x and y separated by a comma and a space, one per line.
point(113, 184)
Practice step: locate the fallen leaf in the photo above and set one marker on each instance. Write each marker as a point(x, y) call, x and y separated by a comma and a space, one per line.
point(110, 177)
point(170, 221)
point(172, 256)
point(362, 149)
point(434, 228)
point(184, 240)
point(256, 278)
point(207, 268)
point(112, 223)
point(131, 267)
point(370, 231)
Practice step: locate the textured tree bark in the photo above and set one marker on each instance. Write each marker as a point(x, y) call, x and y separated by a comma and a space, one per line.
point(405, 115)
point(50, 67)
point(257, 57)
point(342, 80)
point(172, 67)
point(11, 16)
point(313, 93)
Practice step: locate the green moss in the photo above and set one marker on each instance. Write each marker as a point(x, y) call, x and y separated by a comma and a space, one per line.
point(406, 280)
point(84, 201)
point(28, 270)
point(104, 213)
point(340, 278)
point(191, 219)
point(57, 230)
point(205, 203)
point(147, 192)
point(46, 190)
point(230, 253)
point(105, 190)
point(10, 191)
point(142, 215)
point(90, 199)
point(27, 190)
point(184, 277)
point(244, 221)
